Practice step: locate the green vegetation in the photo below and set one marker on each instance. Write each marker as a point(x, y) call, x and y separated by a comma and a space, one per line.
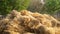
point(52, 6)
point(6, 6)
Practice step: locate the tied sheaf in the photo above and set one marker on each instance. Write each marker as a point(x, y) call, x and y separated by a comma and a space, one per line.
point(26, 22)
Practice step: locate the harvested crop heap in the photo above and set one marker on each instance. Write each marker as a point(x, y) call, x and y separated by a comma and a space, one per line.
point(26, 22)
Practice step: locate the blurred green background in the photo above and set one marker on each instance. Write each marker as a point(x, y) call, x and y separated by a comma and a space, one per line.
point(45, 6)
point(6, 6)
point(51, 7)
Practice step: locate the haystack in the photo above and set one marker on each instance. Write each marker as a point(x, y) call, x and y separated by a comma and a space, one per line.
point(26, 22)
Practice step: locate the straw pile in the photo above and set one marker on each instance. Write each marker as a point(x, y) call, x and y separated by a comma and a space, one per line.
point(26, 22)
